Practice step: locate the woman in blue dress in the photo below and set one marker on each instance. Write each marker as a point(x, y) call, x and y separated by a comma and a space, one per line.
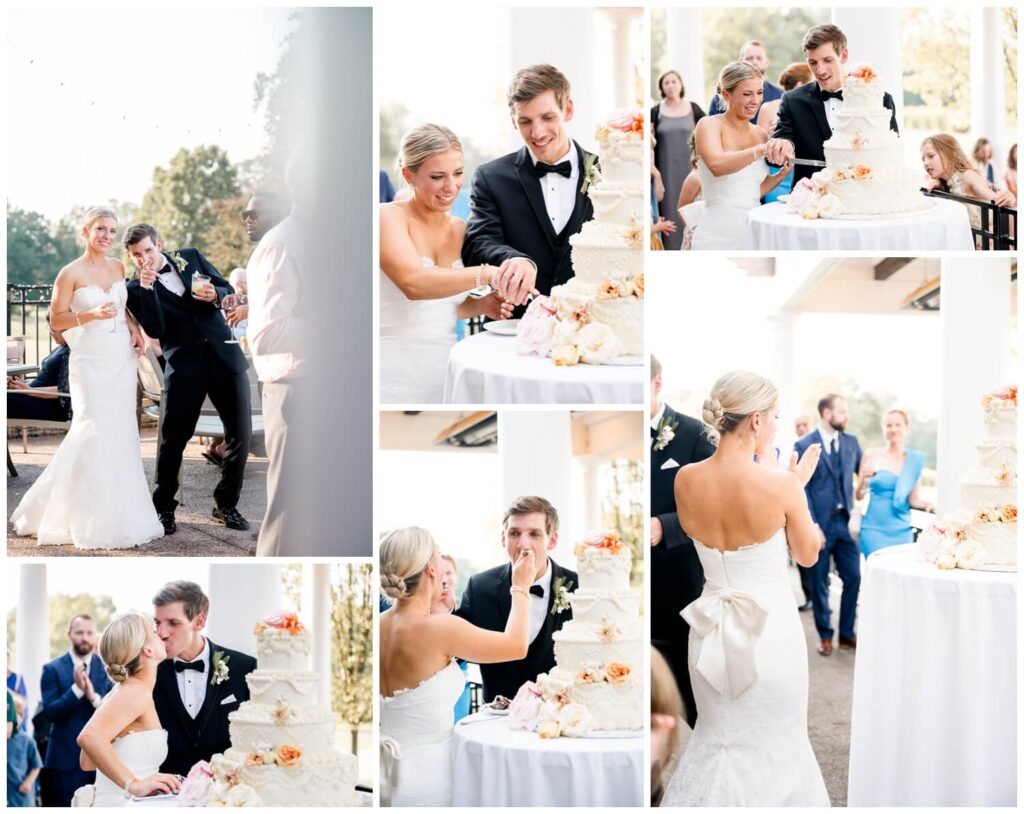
point(891, 474)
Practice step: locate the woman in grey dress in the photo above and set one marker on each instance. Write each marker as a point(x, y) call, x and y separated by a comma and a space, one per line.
point(672, 121)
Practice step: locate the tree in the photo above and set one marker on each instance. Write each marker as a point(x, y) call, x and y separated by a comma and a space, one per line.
point(936, 53)
point(623, 508)
point(183, 201)
point(227, 243)
point(352, 644)
point(34, 253)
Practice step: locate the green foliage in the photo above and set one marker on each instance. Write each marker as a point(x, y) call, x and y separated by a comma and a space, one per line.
point(352, 644)
point(1010, 55)
point(280, 93)
point(227, 243)
point(62, 608)
point(35, 249)
point(937, 61)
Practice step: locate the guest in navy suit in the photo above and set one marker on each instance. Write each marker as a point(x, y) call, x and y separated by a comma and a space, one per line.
point(72, 686)
point(830, 495)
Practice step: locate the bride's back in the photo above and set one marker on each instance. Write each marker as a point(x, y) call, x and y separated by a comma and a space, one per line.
point(408, 655)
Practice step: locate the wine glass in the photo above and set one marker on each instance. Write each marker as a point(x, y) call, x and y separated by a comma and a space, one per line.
point(228, 303)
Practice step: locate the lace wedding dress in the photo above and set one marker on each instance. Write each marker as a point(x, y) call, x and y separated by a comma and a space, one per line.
point(416, 337)
point(728, 200)
point(141, 752)
point(93, 493)
point(748, 664)
point(416, 741)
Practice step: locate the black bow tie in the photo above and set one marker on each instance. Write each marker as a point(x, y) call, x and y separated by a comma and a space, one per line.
point(182, 666)
point(654, 432)
point(536, 590)
point(831, 94)
point(564, 169)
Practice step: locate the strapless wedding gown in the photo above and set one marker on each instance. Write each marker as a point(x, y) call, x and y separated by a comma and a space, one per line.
point(140, 752)
point(416, 728)
point(728, 200)
point(93, 493)
point(416, 337)
point(748, 664)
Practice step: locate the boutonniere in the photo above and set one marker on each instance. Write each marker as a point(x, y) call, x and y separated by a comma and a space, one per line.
point(591, 172)
point(666, 432)
point(180, 262)
point(561, 588)
point(219, 668)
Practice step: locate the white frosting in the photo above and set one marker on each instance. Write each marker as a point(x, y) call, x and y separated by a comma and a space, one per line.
point(280, 650)
point(328, 780)
point(601, 570)
point(296, 689)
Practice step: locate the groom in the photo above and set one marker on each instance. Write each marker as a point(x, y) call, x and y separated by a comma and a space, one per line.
point(526, 205)
point(530, 524)
point(194, 337)
point(199, 683)
point(809, 114)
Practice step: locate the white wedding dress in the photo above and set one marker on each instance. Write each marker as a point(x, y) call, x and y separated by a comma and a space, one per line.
point(93, 493)
point(141, 752)
point(728, 200)
point(748, 665)
point(416, 728)
point(416, 337)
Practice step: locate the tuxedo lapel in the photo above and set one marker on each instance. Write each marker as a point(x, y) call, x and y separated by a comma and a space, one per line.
point(213, 692)
point(531, 189)
point(181, 274)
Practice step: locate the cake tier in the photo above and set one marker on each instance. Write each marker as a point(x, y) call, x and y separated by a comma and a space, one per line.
point(601, 570)
point(881, 154)
point(998, 540)
point(1001, 420)
point(877, 195)
point(604, 631)
point(613, 706)
point(873, 125)
point(573, 655)
point(617, 204)
point(980, 488)
point(859, 94)
point(328, 780)
point(622, 158)
point(994, 453)
point(254, 727)
point(626, 318)
point(596, 607)
point(279, 650)
point(604, 251)
point(296, 689)
point(972, 540)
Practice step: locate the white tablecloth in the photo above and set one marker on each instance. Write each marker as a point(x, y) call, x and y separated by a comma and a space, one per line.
point(171, 801)
point(935, 686)
point(485, 369)
point(944, 227)
point(498, 766)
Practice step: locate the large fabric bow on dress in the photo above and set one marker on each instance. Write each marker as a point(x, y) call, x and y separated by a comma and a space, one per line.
point(728, 623)
point(390, 754)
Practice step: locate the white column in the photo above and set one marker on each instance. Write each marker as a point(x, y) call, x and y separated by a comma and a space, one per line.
point(873, 36)
point(241, 595)
point(319, 622)
point(685, 51)
point(591, 495)
point(624, 68)
point(784, 375)
point(565, 38)
point(975, 359)
point(32, 630)
point(988, 82)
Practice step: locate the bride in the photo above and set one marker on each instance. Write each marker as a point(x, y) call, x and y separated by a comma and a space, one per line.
point(123, 741)
point(93, 493)
point(423, 286)
point(732, 171)
point(747, 650)
point(420, 679)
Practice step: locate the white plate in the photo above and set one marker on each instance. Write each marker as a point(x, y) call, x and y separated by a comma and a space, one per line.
point(493, 711)
point(503, 327)
point(931, 203)
point(784, 198)
point(1000, 568)
point(627, 361)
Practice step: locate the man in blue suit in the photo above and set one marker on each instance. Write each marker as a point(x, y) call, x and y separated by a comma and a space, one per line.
point(72, 686)
point(830, 495)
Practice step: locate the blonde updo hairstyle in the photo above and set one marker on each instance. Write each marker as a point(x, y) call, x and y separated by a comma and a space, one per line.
point(94, 214)
point(734, 398)
point(896, 411)
point(121, 646)
point(404, 556)
point(731, 76)
point(423, 142)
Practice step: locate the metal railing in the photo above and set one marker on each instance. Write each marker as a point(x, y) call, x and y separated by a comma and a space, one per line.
point(26, 316)
point(998, 230)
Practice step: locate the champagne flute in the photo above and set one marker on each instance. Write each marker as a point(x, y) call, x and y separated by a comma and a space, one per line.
point(228, 303)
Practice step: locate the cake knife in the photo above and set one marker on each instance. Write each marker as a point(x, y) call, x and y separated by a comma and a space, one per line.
point(807, 162)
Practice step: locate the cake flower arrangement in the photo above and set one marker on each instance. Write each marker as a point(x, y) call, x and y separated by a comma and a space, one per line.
point(284, 621)
point(603, 540)
point(549, 710)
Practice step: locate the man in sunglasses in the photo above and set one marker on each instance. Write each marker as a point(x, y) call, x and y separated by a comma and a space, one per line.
point(263, 212)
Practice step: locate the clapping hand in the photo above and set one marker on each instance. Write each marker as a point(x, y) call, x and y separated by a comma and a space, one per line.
point(804, 468)
point(516, 280)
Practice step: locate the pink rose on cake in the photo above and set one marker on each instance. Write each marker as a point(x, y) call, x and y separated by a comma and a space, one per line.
point(627, 121)
point(524, 711)
point(196, 787)
point(282, 620)
point(537, 328)
point(798, 197)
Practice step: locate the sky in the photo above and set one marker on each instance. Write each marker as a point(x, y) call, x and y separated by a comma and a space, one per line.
point(102, 96)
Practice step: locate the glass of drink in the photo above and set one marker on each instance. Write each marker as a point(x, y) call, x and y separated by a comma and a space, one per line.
point(199, 282)
point(228, 303)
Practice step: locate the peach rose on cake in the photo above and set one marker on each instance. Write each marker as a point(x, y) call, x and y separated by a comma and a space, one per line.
point(616, 672)
point(1009, 513)
point(598, 344)
point(575, 720)
point(288, 755)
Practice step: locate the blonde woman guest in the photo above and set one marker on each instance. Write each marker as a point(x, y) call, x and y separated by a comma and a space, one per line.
point(891, 475)
point(124, 741)
point(1010, 176)
point(733, 173)
point(982, 155)
point(949, 170)
point(795, 75)
point(424, 288)
point(673, 121)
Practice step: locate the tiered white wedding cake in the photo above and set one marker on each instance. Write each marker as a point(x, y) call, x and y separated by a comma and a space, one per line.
point(596, 684)
point(983, 533)
point(865, 173)
point(282, 741)
point(598, 315)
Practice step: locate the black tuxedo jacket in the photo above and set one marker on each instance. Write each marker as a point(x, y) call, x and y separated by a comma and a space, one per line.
point(487, 604)
point(190, 740)
point(508, 219)
point(802, 121)
point(676, 574)
point(185, 325)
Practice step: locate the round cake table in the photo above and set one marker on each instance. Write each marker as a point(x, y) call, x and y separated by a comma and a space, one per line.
point(935, 686)
point(944, 227)
point(498, 766)
point(365, 800)
point(486, 369)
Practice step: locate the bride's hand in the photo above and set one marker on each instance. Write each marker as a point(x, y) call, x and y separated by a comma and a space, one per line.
point(158, 783)
point(523, 570)
point(106, 311)
point(495, 307)
point(804, 468)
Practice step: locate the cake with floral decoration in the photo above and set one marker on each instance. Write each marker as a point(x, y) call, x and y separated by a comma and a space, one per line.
point(598, 315)
point(983, 533)
point(283, 749)
point(597, 683)
point(865, 172)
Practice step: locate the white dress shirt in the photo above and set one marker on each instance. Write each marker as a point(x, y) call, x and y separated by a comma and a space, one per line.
point(539, 604)
point(192, 683)
point(76, 662)
point(275, 273)
point(832, 107)
point(827, 434)
point(657, 418)
point(559, 191)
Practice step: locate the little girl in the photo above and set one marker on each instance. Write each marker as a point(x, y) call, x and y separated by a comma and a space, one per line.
point(950, 170)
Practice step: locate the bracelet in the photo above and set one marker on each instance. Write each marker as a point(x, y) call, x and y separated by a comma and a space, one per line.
point(479, 275)
point(516, 589)
point(78, 319)
point(127, 789)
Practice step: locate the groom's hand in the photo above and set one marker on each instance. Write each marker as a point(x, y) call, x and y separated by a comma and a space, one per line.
point(657, 532)
point(206, 294)
point(147, 275)
point(778, 150)
point(516, 280)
